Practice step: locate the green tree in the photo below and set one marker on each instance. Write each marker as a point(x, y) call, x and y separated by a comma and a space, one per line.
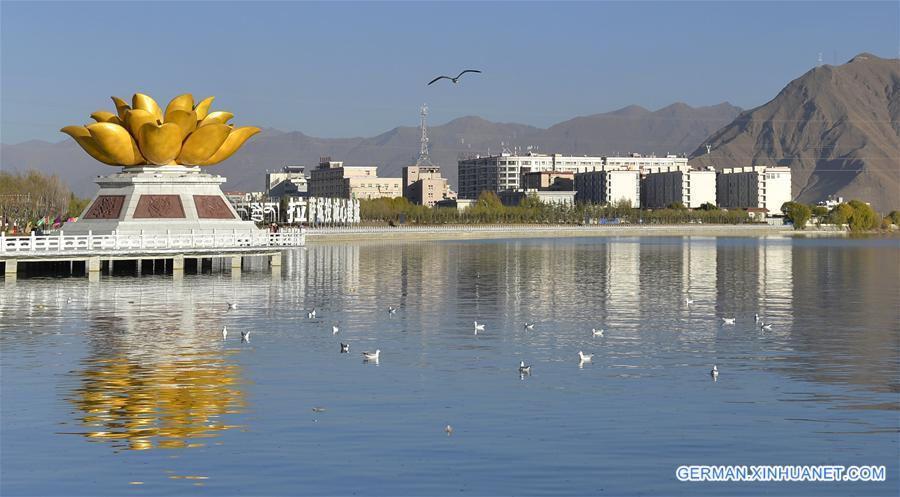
point(820, 211)
point(708, 206)
point(864, 216)
point(796, 213)
point(840, 215)
point(76, 205)
point(894, 217)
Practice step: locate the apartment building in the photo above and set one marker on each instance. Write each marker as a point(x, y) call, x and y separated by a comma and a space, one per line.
point(663, 186)
point(332, 179)
point(762, 187)
point(608, 187)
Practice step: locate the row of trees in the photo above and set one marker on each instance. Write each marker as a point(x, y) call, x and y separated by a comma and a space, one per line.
point(857, 215)
point(31, 196)
point(489, 209)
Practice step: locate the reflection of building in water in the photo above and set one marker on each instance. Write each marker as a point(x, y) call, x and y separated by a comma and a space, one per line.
point(699, 272)
point(333, 268)
point(623, 266)
point(754, 276)
point(776, 279)
point(661, 266)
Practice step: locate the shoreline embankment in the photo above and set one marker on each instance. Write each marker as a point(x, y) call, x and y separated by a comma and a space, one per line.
point(499, 231)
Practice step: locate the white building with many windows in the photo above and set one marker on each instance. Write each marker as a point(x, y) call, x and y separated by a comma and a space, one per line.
point(608, 187)
point(502, 172)
point(332, 179)
point(754, 187)
point(663, 186)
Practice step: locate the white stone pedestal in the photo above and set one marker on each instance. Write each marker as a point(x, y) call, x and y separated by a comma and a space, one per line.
point(156, 199)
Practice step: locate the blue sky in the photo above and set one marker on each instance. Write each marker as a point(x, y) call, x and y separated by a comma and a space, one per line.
point(358, 69)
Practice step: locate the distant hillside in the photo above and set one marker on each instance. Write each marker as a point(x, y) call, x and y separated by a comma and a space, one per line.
point(837, 127)
point(677, 128)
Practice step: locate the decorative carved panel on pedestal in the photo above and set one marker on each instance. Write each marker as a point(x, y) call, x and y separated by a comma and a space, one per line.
point(212, 207)
point(106, 207)
point(159, 206)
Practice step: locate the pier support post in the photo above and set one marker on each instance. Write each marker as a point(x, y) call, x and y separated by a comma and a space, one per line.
point(275, 260)
point(12, 267)
point(93, 265)
point(236, 263)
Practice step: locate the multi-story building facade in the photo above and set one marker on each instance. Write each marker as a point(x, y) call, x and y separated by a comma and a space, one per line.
point(291, 181)
point(754, 187)
point(663, 186)
point(505, 171)
point(608, 186)
point(548, 180)
point(424, 185)
point(497, 173)
point(638, 162)
point(335, 180)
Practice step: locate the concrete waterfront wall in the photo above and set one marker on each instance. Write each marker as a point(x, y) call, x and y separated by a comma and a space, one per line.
point(473, 232)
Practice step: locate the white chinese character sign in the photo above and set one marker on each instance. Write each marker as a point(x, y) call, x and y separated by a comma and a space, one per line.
point(314, 210)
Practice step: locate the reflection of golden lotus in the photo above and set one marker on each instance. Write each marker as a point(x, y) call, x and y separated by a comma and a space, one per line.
point(157, 406)
point(142, 133)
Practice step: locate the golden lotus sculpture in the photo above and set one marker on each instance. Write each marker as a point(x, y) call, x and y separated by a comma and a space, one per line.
point(143, 133)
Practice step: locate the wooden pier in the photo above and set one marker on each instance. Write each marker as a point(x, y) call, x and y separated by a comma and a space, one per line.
point(65, 255)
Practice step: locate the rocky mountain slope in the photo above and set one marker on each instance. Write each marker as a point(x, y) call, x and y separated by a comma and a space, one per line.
point(837, 127)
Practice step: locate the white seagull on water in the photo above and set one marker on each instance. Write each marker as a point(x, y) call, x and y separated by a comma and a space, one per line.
point(311, 314)
point(232, 306)
point(345, 348)
point(245, 336)
point(523, 369)
point(596, 333)
point(392, 310)
point(224, 332)
point(585, 357)
point(529, 326)
point(765, 326)
point(478, 327)
point(335, 329)
point(371, 356)
point(715, 372)
point(727, 320)
point(688, 301)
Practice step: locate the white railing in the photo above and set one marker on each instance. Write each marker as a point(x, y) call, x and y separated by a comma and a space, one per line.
point(148, 242)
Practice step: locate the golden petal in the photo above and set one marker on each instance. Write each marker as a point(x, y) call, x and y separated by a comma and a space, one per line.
point(160, 144)
point(203, 143)
point(181, 102)
point(202, 109)
point(115, 142)
point(185, 119)
point(235, 139)
point(102, 116)
point(145, 102)
point(220, 117)
point(135, 119)
point(121, 107)
point(83, 137)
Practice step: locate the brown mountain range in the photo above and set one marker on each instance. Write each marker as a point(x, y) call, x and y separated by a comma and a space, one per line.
point(677, 129)
point(837, 127)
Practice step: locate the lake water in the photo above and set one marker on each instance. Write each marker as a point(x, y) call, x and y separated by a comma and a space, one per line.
point(125, 386)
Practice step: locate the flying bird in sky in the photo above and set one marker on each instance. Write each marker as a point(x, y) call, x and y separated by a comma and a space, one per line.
point(456, 79)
